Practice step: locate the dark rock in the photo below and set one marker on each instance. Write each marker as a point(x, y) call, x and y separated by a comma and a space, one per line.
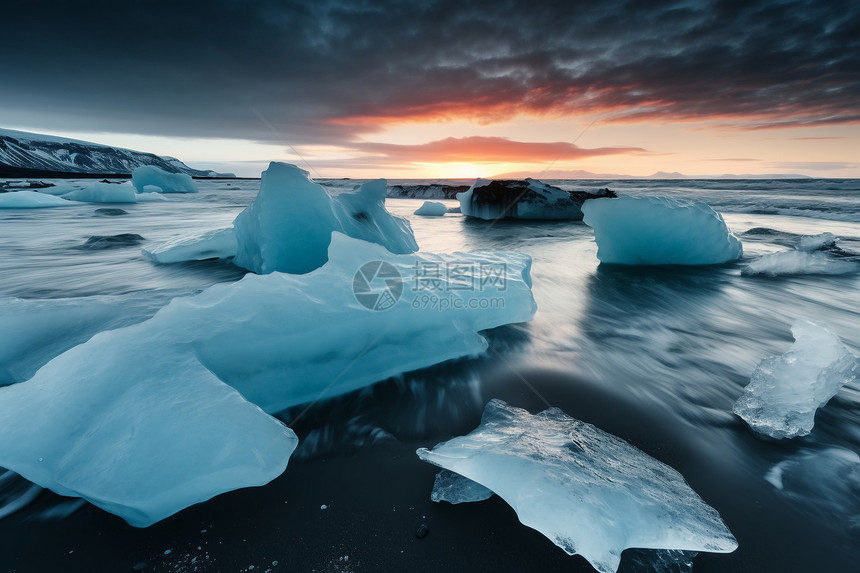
point(112, 241)
point(527, 199)
point(108, 212)
point(140, 566)
point(432, 191)
point(7, 186)
point(422, 532)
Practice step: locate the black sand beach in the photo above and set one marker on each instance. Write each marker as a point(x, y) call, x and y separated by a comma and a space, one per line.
point(377, 497)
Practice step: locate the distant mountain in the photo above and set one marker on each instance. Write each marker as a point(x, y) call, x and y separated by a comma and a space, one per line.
point(580, 174)
point(25, 154)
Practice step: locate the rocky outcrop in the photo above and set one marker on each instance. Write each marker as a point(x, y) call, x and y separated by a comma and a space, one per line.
point(526, 199)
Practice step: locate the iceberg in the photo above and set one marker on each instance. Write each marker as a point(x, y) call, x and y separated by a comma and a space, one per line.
point(431, 209)
point(217, 244)
point(30, 200)
point(588, 491)
point(528, 199)
point(785, 391)
point(100, 192)
point(152, 417)
point(147, 177)
point(659, 231)
point(289, 226)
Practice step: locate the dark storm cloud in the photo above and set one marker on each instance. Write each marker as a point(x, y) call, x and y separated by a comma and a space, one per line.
point(326, 71)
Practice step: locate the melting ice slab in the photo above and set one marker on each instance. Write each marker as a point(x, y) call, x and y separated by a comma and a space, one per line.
point(785, 391)
point(814, 255)
point(30, 200)
point(141, 429)
point(659, 231)
point(148, 178)
point(101, 192)
point(590, 492)
point(143, 421)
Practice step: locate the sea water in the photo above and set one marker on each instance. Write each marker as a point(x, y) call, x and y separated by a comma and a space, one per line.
point(657, 355)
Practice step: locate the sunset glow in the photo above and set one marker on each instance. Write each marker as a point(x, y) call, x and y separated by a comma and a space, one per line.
point(397, 91)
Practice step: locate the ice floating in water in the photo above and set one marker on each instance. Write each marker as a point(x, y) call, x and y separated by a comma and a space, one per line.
point(140, 422)
point(528, 199)
point(811, 243)
point(799, 263)
point(30, 200)
point(659, 231)
point(785, 391)
point(454, 488)
point(288, 227)
point(590, 492)
point(812, 257)
point(100, 192)
point(146, 177)
point(218, 244)
point(431, 209)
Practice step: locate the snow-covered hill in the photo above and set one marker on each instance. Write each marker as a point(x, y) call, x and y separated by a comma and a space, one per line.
point(21, 152)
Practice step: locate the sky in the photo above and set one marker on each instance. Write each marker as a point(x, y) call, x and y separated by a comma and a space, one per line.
point(445, 89)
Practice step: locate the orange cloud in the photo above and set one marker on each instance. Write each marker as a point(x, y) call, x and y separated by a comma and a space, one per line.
point(478, 149)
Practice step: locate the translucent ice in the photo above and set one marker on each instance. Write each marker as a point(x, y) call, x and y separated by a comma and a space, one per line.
point(140, 430)
point(289, 225)
point(659, 231)
point(785, 391)
point(151, 176)
point(432, 209)
point(815, 255)
point(30, 200)
point(527, 199)
point(454, 488)
point(590, 492)
point(218, 244)
point(815, 242)
point(799, 263)
point(33, 331)
point(100, 192)
point(143, 421)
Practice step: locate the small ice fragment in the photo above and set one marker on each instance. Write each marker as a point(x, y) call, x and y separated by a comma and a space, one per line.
point(431, 209)
point(591, 493)
point(785, 391)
